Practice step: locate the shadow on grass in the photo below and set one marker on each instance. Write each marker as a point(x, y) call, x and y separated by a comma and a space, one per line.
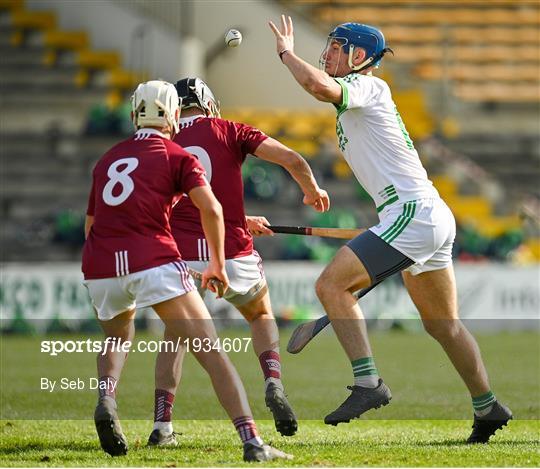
point(49, 446)
point(462, 443)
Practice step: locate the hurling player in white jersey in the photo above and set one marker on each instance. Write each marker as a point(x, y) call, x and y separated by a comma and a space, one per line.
point(416, 230)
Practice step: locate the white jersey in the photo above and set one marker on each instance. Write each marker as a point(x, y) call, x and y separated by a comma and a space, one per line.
point(376, 145)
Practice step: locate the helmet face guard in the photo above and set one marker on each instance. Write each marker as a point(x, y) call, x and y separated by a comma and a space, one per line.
point(195, 93)
point(350, 36)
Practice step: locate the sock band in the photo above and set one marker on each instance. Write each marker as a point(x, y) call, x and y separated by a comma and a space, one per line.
point(270, 364)
point(163, 404)
point(107, 386)
point(246, 428)
point(364, 367)
point(484, 401)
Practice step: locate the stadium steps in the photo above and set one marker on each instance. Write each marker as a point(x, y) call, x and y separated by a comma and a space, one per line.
point(495, 45)
point(51, 78)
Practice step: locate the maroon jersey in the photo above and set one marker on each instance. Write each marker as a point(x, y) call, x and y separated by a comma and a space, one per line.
point(221, 146)
point(135, 184)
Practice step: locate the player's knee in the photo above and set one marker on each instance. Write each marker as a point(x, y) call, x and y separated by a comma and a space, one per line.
point(443, 329)
point(254, 315)
point(324, 288)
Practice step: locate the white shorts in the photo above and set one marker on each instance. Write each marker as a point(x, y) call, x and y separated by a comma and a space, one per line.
point(112, 296)
point(246, 277)
point(423, 230)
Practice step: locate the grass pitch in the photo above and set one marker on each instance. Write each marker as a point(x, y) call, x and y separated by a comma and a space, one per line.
point(426, 424)
point(213, 443)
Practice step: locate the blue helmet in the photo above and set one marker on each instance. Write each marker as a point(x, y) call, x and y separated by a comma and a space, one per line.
point(369, 38)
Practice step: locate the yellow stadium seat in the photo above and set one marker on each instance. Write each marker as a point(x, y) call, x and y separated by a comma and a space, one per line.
point(412, 107)
point(492, 227)
point(446, 186)
point(341, 169)
point(511, 93)
point(11, 5)
point(469, 208)
point(98, 59)
point(307, 148)
point(123, 79)
point(302, 126)
point(533, 244)
point(24, 19)
point(72, 40)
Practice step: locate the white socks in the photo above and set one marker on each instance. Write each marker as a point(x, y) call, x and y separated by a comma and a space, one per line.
point(368, 381)
point(165, 427)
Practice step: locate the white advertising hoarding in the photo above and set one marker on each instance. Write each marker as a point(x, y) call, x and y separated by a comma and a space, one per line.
point(498, 293)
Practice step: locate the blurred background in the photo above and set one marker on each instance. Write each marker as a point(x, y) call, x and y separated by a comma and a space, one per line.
point(465, 77)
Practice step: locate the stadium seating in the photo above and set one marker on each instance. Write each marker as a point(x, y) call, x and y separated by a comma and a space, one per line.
point(438, 37)
point(76, 94)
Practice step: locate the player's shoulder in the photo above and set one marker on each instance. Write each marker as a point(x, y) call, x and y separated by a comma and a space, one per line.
point(175, 149)
point(114, 151)
point(360, 79)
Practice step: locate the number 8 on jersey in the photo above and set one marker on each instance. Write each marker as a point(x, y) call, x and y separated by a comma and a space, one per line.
point(122, 178)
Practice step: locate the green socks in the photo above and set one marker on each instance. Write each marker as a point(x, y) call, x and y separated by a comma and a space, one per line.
point(483, 404)
point(365, 372)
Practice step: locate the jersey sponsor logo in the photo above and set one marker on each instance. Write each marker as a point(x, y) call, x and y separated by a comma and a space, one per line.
point(122, 264)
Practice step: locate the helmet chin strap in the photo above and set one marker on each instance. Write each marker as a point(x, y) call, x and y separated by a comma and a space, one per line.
point(366, 63)
point(361, 66)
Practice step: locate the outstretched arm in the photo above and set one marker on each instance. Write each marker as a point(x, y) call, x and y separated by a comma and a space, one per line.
point(275, 152)
point(214, 231)
point(316, 82)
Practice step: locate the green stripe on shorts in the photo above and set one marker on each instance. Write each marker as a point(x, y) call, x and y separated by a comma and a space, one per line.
point(401, 223)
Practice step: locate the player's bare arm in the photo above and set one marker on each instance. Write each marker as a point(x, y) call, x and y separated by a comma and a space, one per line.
point(88, 222)
point(316, 82)
point(258, 226)
point(214, 231)
point(275, 152)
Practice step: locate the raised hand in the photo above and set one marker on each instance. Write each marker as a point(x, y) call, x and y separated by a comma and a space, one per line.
point(284, 35)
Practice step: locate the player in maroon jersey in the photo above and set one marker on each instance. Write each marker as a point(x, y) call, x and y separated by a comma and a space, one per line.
point(130, 260)
point(222, 146)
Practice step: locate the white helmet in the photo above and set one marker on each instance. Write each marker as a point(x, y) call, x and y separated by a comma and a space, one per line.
point(155, 103)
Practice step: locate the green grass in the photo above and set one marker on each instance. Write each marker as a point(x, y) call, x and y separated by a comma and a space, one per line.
point(213, 443)
point(425, 425)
